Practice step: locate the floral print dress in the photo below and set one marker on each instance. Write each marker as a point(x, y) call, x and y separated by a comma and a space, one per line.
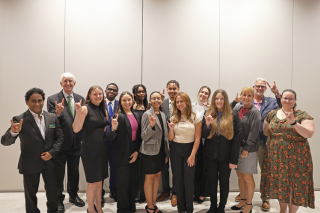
point(287, 162)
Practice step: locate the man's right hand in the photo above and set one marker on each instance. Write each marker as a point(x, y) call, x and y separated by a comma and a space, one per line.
point(59, 107)
point(16, 127)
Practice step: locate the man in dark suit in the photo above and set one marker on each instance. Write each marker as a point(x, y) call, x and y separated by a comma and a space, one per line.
point(41, 138)
point(62, 104)
point(173, 88)
point(112, 105)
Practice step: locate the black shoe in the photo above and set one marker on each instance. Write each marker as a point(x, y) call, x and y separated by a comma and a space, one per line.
point(155, 209)
point(212, 210)
point(250, 210)
point(220, 209)
point(60, 207)
point(113, 196)
point(235, 207)
point(142, 200)
point(102, 201)
point(76, 200)
point(146, 208)
point(201, 201)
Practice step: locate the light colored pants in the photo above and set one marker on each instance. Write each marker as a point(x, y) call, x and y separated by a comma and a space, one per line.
point(261, 158)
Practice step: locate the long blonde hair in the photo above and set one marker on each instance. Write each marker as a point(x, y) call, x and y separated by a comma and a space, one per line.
point(177, 113)
point(226, 125)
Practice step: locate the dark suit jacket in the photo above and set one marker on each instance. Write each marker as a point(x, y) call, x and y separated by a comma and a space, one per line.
point(220, 148)
point(122, 138)
point(32, 143)
point(114, 112)
point(66, 120)
point(165, 107)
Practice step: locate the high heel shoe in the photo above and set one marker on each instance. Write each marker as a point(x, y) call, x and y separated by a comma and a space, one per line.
point(248, 205)
point(235, 207)
point(146, 208)
point(155, 209)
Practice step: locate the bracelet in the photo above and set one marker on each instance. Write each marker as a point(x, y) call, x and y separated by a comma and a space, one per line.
point(192, 155)
point(295, 122)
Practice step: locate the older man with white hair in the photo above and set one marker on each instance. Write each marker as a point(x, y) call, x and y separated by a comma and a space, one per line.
point(265, 105)
point(62, 104)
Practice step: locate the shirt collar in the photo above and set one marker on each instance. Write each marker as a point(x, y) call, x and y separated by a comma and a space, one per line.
point(112, 102)
point(260, 102)
point(35, 114)
point(66, 95)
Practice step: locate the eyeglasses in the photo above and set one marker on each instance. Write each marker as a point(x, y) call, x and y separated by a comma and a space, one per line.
point(112, 90)
point(261, 87)
point(288, 99)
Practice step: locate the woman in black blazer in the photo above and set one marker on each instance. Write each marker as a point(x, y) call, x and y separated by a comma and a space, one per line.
point(126, 134)
point(222, 133)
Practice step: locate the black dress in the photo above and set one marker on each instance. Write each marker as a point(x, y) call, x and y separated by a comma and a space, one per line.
point(152, 164)
point(94, 149)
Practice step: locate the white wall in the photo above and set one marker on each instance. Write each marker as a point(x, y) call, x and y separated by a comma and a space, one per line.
point(216, 43)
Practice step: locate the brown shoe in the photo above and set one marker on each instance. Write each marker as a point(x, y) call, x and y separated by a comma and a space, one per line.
point(265, 206)
point(238, 198)
point(163, 196)
point(174, 200)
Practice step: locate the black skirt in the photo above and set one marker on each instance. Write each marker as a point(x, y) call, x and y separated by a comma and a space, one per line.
point(152, 164)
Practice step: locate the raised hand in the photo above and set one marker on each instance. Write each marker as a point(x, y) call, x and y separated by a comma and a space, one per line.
point(289, 116)
point(171, 124)
point(238, 98)
point(274, 88)
point(78, 107)
point(59, 107)
point(115, 123)
point(162, 95)
point(152, 120)
point(207, 103)
point(208, 119)
point(16, 127)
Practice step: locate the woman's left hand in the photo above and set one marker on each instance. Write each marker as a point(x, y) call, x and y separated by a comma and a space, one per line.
point(244, 154)
point(166, 160)
point(289, 116)
point(133, 157)
point(190, 161)
point(232, 166)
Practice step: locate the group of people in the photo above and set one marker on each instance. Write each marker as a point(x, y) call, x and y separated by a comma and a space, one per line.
point(138, 135)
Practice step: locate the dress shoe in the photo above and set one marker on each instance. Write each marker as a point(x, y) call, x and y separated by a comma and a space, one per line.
point(102, 201)
point(201, 200)
point(76, 200)
point(163, 196)
point(113, 196)
point(265, 206)
point(60, 207)
point(141, 200)
point(251, 208)
point(174, 200)
point(220, 209)
point(238, 198)
point(235, 207)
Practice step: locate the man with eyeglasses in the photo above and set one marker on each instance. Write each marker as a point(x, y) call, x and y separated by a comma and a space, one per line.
point(265, 105)
point(112, 105)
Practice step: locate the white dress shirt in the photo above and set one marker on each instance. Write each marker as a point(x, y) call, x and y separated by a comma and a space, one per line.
point(112, 104)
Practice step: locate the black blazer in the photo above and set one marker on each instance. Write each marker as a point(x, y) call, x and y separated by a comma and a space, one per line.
point(124, 147)
point(220, 148)
point(66, 120)
point(165, 107)
point(32, 144)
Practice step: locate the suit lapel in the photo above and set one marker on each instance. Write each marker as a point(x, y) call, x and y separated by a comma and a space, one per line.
point(66, 106)
point(263, 105)
point(128, 125)
point(115, 106)
point(33, 123)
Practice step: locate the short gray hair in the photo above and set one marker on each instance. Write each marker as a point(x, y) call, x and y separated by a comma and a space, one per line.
point(260, 79)
point(67, 75)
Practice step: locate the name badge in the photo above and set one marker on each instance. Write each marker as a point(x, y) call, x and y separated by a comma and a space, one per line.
point(52, 126)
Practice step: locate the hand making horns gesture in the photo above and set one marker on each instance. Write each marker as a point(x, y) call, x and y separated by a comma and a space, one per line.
point(274, 88)
point(162, 95)
point(115, 123)
point(208, 119)
point(171, 124)
point(152, 119)
point(16, 127)
point(59, 107)
point(289, 116)
point(78, 106)
point(238, 98)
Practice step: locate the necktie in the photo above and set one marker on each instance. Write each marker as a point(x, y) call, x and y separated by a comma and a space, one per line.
point(171, 109)
point(110, 110)
point(70, 105)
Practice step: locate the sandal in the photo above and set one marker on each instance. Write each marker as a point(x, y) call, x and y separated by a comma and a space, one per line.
point(146, 208)
point(156, 207)
point(248, 205)
point(235, 207)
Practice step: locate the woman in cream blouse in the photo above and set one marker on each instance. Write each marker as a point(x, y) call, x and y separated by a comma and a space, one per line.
point(185, 132)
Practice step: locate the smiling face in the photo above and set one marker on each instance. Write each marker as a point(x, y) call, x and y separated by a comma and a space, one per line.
point(288, 101)
point(35, 103)
point(246, 98)
point(141, 93)
point(203, 95)
point(181, 104)
point(260, 88)
point(96, 96)
point(67, 84)
point(219, 101)
point(111, 92)
point(172, 90)
point(155, 100)
point(126, 102)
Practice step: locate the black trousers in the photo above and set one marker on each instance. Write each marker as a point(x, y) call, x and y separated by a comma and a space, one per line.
point(165, 179)
point(219, 170)
point(142, 176)
point(183, 175)
point(127, 186)
point(71, 157)
point(31, 185)
point(201, 185)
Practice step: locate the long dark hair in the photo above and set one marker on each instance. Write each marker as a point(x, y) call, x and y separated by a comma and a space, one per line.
point(150, 105)
point(120, 108)
point(295, 97)
point(135, 89)
point(102, 105)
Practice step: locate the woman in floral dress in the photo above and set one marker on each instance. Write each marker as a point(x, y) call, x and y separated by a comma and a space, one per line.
point(287, 172)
